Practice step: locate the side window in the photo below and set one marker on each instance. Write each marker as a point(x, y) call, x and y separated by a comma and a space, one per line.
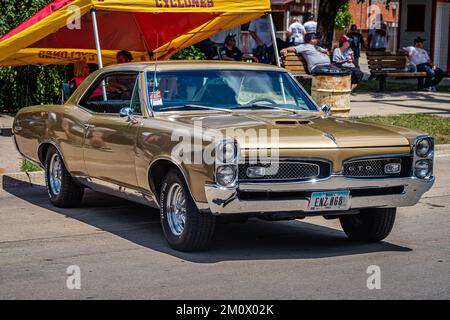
point(111, 93)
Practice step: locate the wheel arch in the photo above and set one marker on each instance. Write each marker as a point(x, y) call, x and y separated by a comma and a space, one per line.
point(158, 170)
point(42, 151)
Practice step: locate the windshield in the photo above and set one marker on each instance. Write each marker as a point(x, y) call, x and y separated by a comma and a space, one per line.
point(225, 89)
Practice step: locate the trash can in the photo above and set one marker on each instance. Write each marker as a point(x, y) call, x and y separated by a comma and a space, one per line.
point(333, 87)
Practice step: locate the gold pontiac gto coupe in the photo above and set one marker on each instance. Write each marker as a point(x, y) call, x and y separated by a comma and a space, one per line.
point(202, 140)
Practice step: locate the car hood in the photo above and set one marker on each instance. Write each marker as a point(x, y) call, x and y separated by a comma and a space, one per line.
point(307, 130)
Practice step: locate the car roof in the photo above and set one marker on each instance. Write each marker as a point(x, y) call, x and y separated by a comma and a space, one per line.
point(190, 65)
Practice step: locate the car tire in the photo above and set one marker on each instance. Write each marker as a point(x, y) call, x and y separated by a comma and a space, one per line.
point(62, 189)
point(185, 227)
point(370, 225)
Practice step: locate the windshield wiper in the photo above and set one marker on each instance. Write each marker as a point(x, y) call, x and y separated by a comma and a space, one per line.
point(252, 106)
point(195, 106)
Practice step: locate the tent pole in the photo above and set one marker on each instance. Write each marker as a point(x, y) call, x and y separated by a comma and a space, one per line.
point(97, 46)
point(274, 40)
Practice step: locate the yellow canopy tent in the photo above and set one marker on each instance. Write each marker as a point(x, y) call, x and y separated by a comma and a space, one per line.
point(67, 30)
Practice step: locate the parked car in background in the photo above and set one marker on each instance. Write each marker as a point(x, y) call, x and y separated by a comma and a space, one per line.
point(201, 140)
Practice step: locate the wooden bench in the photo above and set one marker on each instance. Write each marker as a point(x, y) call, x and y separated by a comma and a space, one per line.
point(385, 65)
point(296, 66)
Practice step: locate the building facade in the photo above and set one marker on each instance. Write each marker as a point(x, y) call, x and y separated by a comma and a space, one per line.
point(428, 19)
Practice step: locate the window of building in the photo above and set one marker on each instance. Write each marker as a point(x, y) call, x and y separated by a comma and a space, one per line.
point(415, 21)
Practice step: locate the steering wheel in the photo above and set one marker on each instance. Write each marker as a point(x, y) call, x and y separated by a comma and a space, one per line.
point(261, 100)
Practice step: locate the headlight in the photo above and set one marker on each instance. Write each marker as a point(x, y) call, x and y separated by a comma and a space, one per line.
point(423, 169)
point(226, 151)
point(226, 175)
point(423, 147)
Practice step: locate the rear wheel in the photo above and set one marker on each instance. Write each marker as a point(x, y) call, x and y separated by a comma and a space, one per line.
point(61, 188)
point(184, 226)
point(371, 225)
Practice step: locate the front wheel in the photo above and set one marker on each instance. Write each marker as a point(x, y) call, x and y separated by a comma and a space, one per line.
point(62, 190)
point(370, 225)
point(185, 228)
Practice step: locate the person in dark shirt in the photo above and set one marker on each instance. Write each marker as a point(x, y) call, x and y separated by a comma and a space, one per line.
point(356, 43)
point(232, 53)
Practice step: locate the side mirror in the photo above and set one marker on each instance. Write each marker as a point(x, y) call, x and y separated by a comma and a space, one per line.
point(326, 109)
point(128, 113)
point(125, 112)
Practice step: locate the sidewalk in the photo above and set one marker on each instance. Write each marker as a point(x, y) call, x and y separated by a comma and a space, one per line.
point(391, 103)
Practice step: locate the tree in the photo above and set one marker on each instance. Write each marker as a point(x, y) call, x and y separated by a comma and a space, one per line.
point(25, 85)
point(343, 18)
point(328, 10)
point(326, 21)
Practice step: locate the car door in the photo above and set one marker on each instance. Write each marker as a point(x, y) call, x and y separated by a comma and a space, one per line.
point(109, 148)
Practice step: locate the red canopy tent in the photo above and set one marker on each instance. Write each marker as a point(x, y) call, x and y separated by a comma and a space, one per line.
point(67, 30)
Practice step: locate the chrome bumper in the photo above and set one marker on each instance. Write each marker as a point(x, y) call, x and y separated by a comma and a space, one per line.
point(226, 200)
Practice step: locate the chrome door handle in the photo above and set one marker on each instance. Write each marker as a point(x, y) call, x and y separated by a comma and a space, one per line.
point(89, 126)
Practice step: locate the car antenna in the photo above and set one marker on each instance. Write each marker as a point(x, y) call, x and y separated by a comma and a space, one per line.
point(154, 73)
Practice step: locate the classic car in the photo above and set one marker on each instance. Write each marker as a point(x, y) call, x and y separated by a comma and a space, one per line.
point(205, 140)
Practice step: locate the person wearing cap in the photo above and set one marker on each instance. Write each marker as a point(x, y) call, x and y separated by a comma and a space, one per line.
point(231, 52)
point(316, 57)
point(343, 58)
point(420, 58)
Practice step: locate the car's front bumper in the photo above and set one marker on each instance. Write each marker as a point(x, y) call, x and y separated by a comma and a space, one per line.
point(231, 201)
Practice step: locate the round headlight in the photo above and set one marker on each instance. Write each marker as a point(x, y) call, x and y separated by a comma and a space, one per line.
point(226, 175)
point(423, 147)
point(226, 151)
point(423, 169)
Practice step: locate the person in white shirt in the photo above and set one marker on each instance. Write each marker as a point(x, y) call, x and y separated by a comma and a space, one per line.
point(310, 25)
point(259, 30)
point(420, 58)
point(343, 57)
point(296, 32)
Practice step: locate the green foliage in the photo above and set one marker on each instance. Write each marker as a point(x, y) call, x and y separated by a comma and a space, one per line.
point(343, 18)
point(190, 53)
point(14, 93)
point(437, 126)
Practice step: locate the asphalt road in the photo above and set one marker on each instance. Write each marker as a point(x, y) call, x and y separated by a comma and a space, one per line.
point(121, 253)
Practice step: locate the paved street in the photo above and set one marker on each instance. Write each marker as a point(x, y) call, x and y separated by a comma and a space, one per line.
point(122, 254)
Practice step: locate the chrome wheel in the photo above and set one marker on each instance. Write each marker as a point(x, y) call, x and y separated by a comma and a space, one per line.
point(54, 174)
point(176, 209)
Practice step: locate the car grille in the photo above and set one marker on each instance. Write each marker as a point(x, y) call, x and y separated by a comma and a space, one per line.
point(374, 168)
point(286, 171)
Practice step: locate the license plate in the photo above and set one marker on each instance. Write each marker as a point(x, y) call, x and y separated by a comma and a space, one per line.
point(329, 201)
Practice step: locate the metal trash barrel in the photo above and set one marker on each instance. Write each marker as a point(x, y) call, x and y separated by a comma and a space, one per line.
point(333, 87)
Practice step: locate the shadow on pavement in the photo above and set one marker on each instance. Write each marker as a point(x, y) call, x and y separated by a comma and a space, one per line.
point(254, 240)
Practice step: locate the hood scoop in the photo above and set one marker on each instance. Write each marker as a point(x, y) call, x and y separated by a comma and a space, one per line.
point(291, 122)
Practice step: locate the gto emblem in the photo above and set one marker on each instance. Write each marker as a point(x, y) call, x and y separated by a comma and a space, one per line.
point(360, 168)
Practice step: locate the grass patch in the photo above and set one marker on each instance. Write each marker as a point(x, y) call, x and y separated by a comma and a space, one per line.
point(28, 166)
point(438, 127)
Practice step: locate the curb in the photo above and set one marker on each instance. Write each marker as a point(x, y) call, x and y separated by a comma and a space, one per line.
point(442, 148)
point(22, 179)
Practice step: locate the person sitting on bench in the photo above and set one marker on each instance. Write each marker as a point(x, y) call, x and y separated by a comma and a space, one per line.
point(316, 57)
point(419, 56)
point(343, 57)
